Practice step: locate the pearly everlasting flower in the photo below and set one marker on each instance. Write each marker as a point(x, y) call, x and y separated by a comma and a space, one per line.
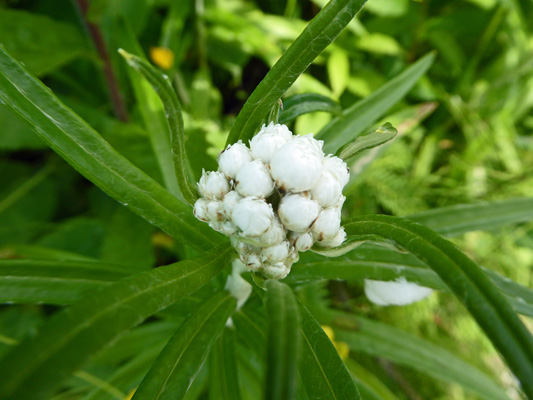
point(298, 212)
point(327, 224)
point(229, 202)
point(269, 139)
point(301, 241)
point(232, 158)
point(277, 253)
point(214, 211)
point(399, 292)
point(252, 216)
point(227, 228)
point(338, 168)
point(327, 190)
point(213, 185)
point(252, 261)
point(335, 241)
point(275, 234)
point(253, 179)
point(200, 209)
point(276, 271)
point(297, 165)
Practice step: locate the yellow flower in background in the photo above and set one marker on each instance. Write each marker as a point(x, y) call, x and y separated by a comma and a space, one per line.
point(342, 348)
point(162, 57)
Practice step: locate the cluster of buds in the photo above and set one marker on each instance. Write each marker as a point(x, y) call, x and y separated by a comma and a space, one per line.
point(275, 199)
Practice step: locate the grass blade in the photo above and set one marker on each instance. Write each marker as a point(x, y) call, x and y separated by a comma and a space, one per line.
point(38, 365)
point(364, 113)
point(93, 157)
point(467, 281)
point(283, 341)
point(181, 359)
point(320, 32)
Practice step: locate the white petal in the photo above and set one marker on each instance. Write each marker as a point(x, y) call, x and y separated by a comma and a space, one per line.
point(338, 168)
point(327, 190)
point(399, 292)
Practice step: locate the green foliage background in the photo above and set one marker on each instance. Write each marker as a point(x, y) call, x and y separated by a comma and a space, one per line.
point(465, 136)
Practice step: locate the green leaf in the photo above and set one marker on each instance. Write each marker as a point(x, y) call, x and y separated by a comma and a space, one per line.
point(467, 281)
point(17, 135)
point(323, 373)
point(458, 219)
point(338, 66)
point(283, 341)
point(369, 140)
point(224, 375)
point(320, 32)
point(38, 365)
point(300, 104)
point(86, 151)
point(152, 112)
point(41, 43)
point(370, 387)
point(364, 113)
point(52, 281)
point(179, 362)
point(163, 87)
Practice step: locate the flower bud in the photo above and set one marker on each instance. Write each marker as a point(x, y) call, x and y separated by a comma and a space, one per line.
point(268, 141)
point(227, 228)
point(252, 216)
point(336, 241)
point(241, 247)
point(338, 168)
point(327, 190)
point(298, 212)
point(399, 292)
point(301, 241)
point(253, 179)
point(252, 261)
point(277, 253)
point(214, 211)
point(297, 165)
point(327, 224)
point(275, 234)
point(213, 185)
point(229, 201)
point(276, 271)
point(232, 158)
point(200, 209)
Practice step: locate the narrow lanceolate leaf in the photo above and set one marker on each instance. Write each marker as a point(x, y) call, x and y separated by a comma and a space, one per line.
point(179, 362)
point(300, 104)
point(163, 87)
point(363, 114)
point(93, 157)
point(38, 365)
point(381, 340)
point(283, 341)
point(320, 32)
point(455, 220)
point(323, 373)
point(223, 372)
point(53, 281)
point(467, 281)
point(369, 140)
point(368, 383)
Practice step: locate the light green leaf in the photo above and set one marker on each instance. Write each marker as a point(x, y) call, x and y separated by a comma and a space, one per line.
point(283, 341)
point(163, 87)
point(467, 281)
point(320, 32)
point(300, 104)
point(38, 365)
point(224, 374)
point(86, 151)
point(323, 373)
point(369, 140)
point(52, 281)
point(338, 66)
point(179, 362)
point(364, 113)
point(379, 43)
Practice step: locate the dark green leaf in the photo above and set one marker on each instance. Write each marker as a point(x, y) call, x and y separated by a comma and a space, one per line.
point(369, 140)
point(38, 365)
point(223, 373)
point(283, 341)
point(300, 104)
point(364, 113)
point(320, 32)
point(182, 357)
point(370, 387)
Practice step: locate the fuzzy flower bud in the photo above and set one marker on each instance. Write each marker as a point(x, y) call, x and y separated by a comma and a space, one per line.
point(200, 209)
point(301, 241)
point(214, 211)
point(252, 216)
point(338, 168)
point(327, 224)
point(213, 185)
point(336, 241)
point(276, 253)
point(252, 261)
point(253, 179)
point(229, 201)
point(226, 228)
point(399, 292)
point(276, 271)
point(269, 139)
point(275, 234)
point(298, 212)
point(232, 158)
point(297, 165)
point(327, 190)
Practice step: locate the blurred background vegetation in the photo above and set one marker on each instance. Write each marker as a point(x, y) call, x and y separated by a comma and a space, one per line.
point(465, 134)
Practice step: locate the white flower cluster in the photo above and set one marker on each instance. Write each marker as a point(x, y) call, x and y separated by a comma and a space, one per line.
point(275, 199)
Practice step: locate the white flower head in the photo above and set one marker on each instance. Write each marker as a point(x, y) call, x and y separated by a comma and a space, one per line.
point(335, 241)
point(399, 292)
point(327, 224)
point(301, 241)
point(213, 185)
point(232, 158)
point(269, 139)
point(214, 211)
point(298, 212)
point(327, 190)
point(253, 179)
point(252, 216)
point(277, 253)
point(275, 234)
point(200, 209)
point(227, 228)
point(297, 165)
point(276, 271)
point(338, 168)
point(229, 201)
point(252, 260)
